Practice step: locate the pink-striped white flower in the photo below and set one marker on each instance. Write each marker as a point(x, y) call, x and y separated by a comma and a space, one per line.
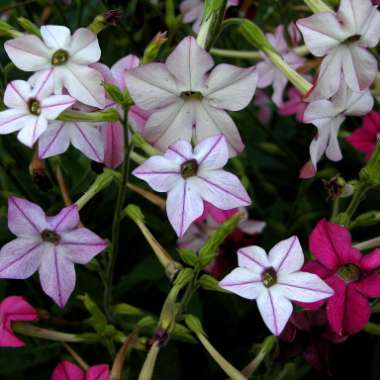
point(342, 39)
point(192, 177)
point(31, 108)
point(68, 56)
point(275, 280)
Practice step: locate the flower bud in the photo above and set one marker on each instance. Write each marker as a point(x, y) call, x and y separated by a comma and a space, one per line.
point(152, 50)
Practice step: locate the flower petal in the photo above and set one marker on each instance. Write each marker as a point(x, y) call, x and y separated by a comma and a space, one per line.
point(32, 131)
point(20, 258)
point(212, 152)
point(138, 117)
point(55, 36)
point(88, 139)
point(25, 219)
point(121, 67)
point(8, 339)
point(189, 63)
point(371, 261)
point(314, 266)
point(53, 105)
point(371, 32)
point(15, 308)
point(222, 189)
point(114, 144)
point(230, 87)
point(179, 152)
point(98, 372)
point(55, 140)
point(28, 53)
point(369, 285)
point(84, 47)
point(57, 275)
point(66, 219)
point(287, 255)
point(183, 206)
point(17, 94)
point(243, 282)
point(354, 14)
point(151, 86)
point(275, 309)
point(66, 370)
point(253, 258)
point(13, 120)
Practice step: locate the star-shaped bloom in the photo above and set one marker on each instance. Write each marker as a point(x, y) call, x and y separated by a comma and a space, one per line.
point(51, 245)
point(342, 39)
point(66, 370)
point(275, 280)
point(190, 178)
point(328, 116)
point(68, 56)
point(364, 139)
point(268, 74)
point(31, 108)
point(353, 276)
point(187, 98)
point(14, 308)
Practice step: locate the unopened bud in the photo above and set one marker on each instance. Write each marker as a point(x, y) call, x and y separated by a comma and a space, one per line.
point(29, 26)
point(337, 187)
point(154, 47)
point(37, 171)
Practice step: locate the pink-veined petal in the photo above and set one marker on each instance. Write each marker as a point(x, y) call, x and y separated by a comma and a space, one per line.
point(32, 131)
point(138, 117)
point(17, 94)
point(275, 309)
point(253, 258)
point(243, 282)
point(98, 372)
point(55, 140)
point(84, 47)
point(183, 206)
point(66, 219)
point(189, 63)
point(66, 370)
point(114, 144)
point(121, 67)
point(52, 106)
point(287, 255)
point(13, 120)
point(212, 153)
point(56, 36)
point(179, 152)
point(230, 87)
point(43, 84)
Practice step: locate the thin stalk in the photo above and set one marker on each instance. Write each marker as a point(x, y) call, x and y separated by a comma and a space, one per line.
point(76, 357)
point(155, 199)
point(368, 244)
point(147, 370)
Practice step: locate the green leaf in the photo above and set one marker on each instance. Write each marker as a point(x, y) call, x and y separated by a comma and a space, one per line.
point(208, 282)
point(188, 256)
point(114, 92)
point(97, 320)
point(126, 309)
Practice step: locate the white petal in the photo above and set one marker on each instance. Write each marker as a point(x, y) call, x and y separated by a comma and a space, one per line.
point(354, 14)
point(88, 139)
point(265, 73)
point(333, 151)
point(275, 309)
point(287, 255)
point(211, 121)
point(189, 64)
point(243, 282)
point(212, 153)
point(222, 189)
point(14, 119)
point(180, 152)
point(17, 94)
point(371, 31)
point(320, 110)
point(183, 206)
point(52, 106)
point(303, 287)
point(279, 85)
point(230, 87)
point(152, 86)
point(55, 140)
point(28, 53)
point(84, 47)
point(253, 258)
point(43, 84)
point(32, 131)
point(84, 84)
point(56, 36)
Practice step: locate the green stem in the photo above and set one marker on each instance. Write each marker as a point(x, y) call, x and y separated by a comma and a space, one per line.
point(335, 210)
point(368, 244)
point(317, 6)
point(372, 328)
point(358, 196)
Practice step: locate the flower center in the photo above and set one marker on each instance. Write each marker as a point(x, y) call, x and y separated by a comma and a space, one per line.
point(34, 106)
point(353, 39)
point(59, 57)
point(50, 236)
point(195, 95)
point(269, 277)
point(189, 168)
point(349, 272)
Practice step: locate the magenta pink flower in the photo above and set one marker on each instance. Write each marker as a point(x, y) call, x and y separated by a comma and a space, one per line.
point(364, 139)
point(192, 177)
point(66, 370)
point(352, 276)
point(51, 245)
point(217, 214)
point(295, 105)
point(14, 308)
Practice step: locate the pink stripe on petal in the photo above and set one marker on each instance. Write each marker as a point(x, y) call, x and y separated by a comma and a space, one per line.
point(52, 141)
point(45, 80)
point(88, 142)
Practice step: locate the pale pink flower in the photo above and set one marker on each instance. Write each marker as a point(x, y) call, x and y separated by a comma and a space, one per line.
point(14, 308)
point(186, 98)
point(190, 178)
point(262, 101)
point(275, 280)
point(342, 39)
point(31, 108)
point(268, 74)
point(51, 245)
point(68, 56)
point(328, 116)
point(66, 370)
point(294, 105)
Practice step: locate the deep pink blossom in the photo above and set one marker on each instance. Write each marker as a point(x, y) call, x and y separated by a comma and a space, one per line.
point(50, 245)
point(294, 105)
point(352, 275)
point(364, 139)
point(66, 370)
point(14, 308)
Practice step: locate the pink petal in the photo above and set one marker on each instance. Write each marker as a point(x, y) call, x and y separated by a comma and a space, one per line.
point(20, 258)
point(371, 261)
point(279, 84)
point(212, 153)
point(230, 87)
point(287, 256)
point(275, 309)
point(84, 47)
point(57, 275)
point(55, 104)
point(66, 370)
point(98, 372)
point(314, 266)
point(8, 339)
point(179, 152)
point(32, 131)
point(55, 36)
point(183, 206)
point(114, 144)
point(66, 219)
point(25, 219)
point(372, 122)
point(28, 53)
point(191, 10)
point(55, 140)
point(15, 308)
point(43, 84)
point(81, 245)
point(138, 117)
point(17, 94)
point(121, 67)
point(218, 215)
point(151, 86)
point(13, 120)
point(243, 282)
point(369, 285)
point(253, 258)
point(189, 63)
point(308, 170)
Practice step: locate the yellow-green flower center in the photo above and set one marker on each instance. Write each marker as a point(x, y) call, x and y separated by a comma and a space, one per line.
point(189, 168)
point(50, 236)
point(195, 95)
point(269, 277)
point(59, 57)
point(34, 107)
point(349, 272)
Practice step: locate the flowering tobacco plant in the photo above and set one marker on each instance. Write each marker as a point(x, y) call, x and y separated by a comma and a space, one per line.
point(148, 179)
